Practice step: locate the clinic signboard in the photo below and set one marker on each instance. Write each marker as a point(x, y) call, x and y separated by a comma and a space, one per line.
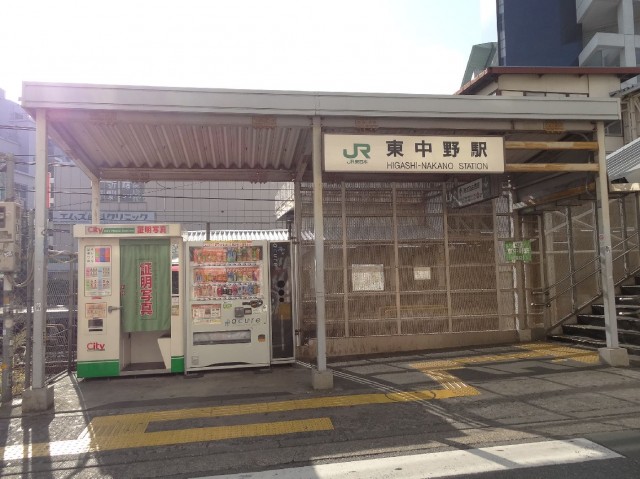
point(413, 154)
point(74, 217)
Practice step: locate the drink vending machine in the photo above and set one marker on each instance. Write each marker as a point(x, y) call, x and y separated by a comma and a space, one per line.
point(227, 317)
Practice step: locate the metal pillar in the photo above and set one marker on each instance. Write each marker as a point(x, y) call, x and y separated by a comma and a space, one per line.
point(297, 248)
point(396, 257)
point(71, 305)
point(447, 256)
point(612, 354)
point(7, 300)
point(95, 201)
point(572, 259)
point(321, 378)
point(29, 322)
point(496, 255)
point(345, 260)
point(40, 398)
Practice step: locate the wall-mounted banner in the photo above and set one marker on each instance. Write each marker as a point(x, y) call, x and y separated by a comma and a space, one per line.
point(413, 154)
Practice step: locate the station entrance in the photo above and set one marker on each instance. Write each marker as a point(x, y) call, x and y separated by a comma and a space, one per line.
point(390, 254)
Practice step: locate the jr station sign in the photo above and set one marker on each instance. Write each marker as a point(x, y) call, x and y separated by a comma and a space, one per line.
point(406, 154)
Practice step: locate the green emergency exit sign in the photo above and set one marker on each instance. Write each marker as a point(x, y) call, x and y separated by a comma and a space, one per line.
point(517, 251)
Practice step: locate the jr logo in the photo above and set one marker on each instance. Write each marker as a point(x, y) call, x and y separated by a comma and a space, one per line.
point(363, 148)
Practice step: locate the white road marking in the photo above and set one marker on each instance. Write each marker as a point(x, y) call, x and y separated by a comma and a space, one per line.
point(446, 464)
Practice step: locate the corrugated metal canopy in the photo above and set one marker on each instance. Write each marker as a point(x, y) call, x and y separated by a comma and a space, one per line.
point(625, 162)
point(153, 133)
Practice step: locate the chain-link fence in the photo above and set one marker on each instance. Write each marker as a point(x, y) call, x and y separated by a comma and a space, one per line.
point(59, 345)
point(400, 260)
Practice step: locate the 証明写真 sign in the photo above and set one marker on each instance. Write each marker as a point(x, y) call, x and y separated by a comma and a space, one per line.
point(417, 154)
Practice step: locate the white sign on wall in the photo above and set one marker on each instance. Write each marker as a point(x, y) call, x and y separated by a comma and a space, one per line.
point(413, 154)
point(367, 277)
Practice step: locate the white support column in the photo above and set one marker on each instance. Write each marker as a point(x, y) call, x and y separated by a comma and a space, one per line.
point(626, 28)
point(95, 201)
point(40, 397)
point(612, 354)
point(321, 377)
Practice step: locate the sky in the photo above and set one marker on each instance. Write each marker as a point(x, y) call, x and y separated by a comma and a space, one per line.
point(385, 46)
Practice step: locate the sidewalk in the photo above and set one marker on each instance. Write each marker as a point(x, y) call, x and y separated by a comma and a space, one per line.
point(511, 392)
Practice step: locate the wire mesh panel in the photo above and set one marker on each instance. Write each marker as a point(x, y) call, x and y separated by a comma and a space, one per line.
point(472, 264)
point(572, 262)
point(583, 247)
point(61, 316)
point(370, 259)
point(16, 291)
point(533, 271)
point(410, 266)
point(631, 243)
point(422, 267)
point(506, 275)
point(227, 205)
point(558, 261)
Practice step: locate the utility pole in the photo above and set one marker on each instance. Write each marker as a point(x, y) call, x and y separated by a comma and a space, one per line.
point(7, 300)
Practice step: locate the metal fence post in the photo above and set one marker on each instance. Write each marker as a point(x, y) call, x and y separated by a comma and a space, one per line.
point(7, 302)
point(29, 303)
point(71, 306)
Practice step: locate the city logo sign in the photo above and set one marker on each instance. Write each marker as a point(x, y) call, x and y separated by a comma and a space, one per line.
point(95, 346)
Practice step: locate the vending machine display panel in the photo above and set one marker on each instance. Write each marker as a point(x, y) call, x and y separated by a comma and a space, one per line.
point(228, 323)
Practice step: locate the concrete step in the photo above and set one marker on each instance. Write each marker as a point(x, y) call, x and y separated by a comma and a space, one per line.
point(622, 310)
point(585, 330)
point(630, 290)
point(597, 332)
point(624, 322)
point(591, 343)
point(628, 300)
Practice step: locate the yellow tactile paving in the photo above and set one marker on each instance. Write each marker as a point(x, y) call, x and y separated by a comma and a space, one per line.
point(437, 370)
point(114, 425)
point(182, 436)
point(564, 353)
point(129, 430)
point(533, 351)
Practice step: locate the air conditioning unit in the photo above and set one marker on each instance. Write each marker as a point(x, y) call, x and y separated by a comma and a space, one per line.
point(10, 220)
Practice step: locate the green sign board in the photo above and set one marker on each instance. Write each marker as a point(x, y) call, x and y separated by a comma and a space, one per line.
point(517, 251)
point(118, 231)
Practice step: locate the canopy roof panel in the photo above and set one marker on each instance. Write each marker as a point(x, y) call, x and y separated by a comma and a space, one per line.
point(155, 133)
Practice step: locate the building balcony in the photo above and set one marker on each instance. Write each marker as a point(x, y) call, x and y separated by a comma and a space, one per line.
point(610, 49)
point(596, 13)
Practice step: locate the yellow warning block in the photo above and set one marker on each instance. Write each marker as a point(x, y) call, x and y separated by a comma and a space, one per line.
point(89, 443)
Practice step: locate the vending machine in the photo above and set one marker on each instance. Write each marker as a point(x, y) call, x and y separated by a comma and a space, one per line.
point(281, 280)
point(129, 300)
point(227, 314)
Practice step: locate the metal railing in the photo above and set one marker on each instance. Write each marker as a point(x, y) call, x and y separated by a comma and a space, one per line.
point(573, 284)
